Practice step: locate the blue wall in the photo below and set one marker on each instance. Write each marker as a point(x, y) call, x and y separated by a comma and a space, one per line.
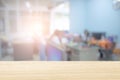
point(77, 16)
point(94, 15)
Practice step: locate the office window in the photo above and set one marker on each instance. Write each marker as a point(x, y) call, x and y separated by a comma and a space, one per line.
point(60, 17)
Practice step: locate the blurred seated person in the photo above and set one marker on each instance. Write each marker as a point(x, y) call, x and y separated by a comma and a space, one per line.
point(77, 38)
point(86, 36)
point(93, 41)
point(106, 47)
point(105, 44)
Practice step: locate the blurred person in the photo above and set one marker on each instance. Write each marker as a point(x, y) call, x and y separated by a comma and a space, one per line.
point(86, 36)
point(77, 38)
point(93, 41)
point(106, 48)
point(58, 37)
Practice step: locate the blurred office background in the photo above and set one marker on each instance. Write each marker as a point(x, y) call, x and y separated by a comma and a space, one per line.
point(26, 25)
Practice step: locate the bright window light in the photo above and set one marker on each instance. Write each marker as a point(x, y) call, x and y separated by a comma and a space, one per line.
point(28, 5)
point(37, 29)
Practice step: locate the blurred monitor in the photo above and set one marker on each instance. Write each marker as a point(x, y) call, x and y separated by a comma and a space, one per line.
point(98, 35)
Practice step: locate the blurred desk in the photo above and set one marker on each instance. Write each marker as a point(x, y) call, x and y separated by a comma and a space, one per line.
point(23, 50)
point(83, 53)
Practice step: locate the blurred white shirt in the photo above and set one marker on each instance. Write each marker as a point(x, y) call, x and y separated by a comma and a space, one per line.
point(57, 41)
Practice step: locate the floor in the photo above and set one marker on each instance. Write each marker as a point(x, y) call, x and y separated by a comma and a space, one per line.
point(11, 58)
point(36, 57)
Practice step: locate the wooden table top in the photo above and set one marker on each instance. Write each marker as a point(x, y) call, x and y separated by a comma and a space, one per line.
point(59, 70)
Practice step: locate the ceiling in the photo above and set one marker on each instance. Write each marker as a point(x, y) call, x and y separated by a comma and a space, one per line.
point(23, 8)
point(33, 4)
